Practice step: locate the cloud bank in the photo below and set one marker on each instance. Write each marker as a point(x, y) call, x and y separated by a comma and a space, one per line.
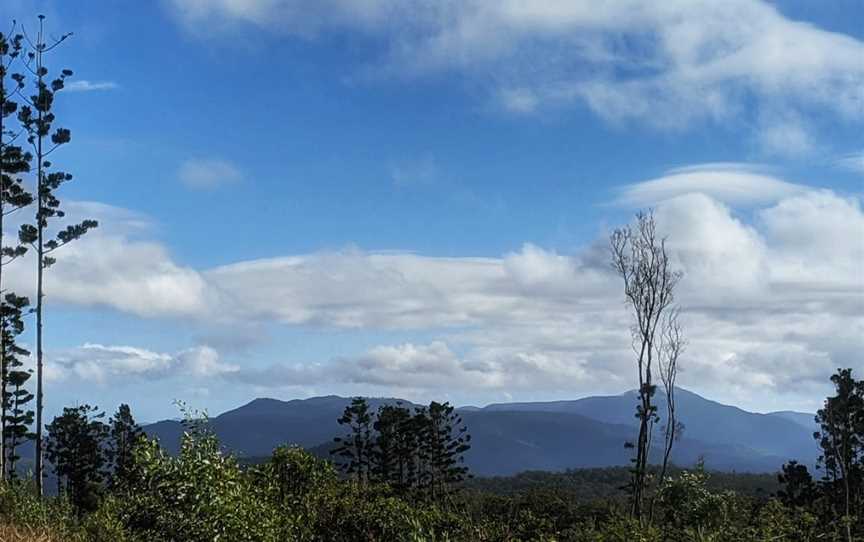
point(772, 302)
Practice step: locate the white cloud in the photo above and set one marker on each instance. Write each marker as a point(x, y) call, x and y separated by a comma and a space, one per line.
point(781, 290)
point(104, 364)
point(771, 308)
point(668, 64)
point(83, 85)
point(112, 267)
point(208, 173)
point(731, 183)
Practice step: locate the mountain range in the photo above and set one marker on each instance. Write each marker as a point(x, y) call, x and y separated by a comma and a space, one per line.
point(508, 438)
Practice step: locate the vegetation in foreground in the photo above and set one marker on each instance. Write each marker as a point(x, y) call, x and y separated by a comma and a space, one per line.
point(398, 476)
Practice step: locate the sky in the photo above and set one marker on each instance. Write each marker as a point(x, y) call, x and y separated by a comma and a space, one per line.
point(414, 199)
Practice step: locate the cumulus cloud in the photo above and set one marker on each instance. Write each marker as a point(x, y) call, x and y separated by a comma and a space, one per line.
point(668, 65)
point(731, 183)
point(112, 266)
point(208, 173)
point(771, 306)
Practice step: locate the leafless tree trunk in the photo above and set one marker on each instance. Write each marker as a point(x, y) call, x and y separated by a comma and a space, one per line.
point(639, 256)
point(671, 347)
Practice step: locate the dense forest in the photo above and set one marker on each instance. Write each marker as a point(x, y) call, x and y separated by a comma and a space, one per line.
point(395, 473)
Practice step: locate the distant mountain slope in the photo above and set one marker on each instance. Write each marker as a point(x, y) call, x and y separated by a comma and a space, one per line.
point(808, 421)
point(516, 437)
point(704, 420)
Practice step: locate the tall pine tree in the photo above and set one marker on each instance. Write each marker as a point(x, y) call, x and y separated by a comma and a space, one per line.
point(444, 443)
point(125, 434)
point(393, 456)
point(13, 196)
point(38, 119)
point(354, 450)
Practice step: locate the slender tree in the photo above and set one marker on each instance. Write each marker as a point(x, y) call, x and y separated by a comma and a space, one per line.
point(13, 162)
point(17, 417)
point(841, 439)
point(125, 435)
point(75, 446)
point(444, 443)
point(38, 118)
point(639, 256)
point(671, 347)
point(354, 450)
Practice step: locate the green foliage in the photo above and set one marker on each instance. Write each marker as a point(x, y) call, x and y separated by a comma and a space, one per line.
point(204, 494)
point(841, 439)
point(124, 436)
point(75, 446)
point(201, 494)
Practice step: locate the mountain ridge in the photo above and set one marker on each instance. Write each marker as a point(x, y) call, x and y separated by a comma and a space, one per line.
point(514, 437)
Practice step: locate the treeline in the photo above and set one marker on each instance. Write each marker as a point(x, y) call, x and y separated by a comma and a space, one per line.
point(591, 484)
point(418, 454)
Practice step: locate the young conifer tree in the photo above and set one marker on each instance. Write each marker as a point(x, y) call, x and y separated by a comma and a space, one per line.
point(17, 417)
point(38, 118)
point(354, 450)
point(124, 436)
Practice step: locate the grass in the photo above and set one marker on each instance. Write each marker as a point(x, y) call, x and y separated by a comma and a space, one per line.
point(11, 533)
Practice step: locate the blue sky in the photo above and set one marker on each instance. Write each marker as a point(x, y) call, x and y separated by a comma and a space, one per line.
point(357, 197)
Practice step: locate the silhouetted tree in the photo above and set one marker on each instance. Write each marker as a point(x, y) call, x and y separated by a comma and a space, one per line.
point(38, 119)
point(13, 196)
point(125, 435)
point(443, 443)
point(354, 450)
point(393, 455)
point(639, 256)
point(17, 417)
point(75, 446)
point(841, 438)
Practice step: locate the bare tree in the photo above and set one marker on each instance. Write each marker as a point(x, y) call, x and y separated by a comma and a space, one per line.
point(671, 348)
point(639, 256)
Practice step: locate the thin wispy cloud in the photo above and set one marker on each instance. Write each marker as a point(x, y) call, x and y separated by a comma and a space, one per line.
point(208, 173)
point(83, 85)
point(854, 161)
